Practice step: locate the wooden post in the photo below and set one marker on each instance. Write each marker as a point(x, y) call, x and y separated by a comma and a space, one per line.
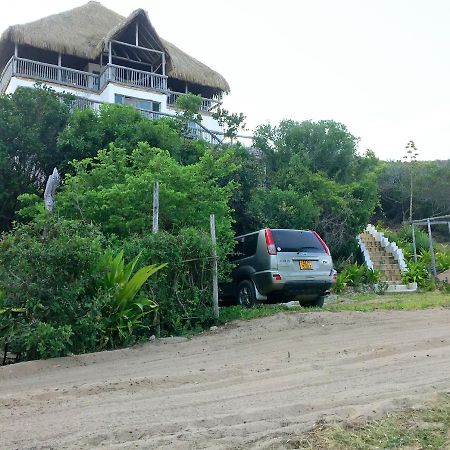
point(414, 242)
point(155, 228)
point(433, 260)
point(212, 223)
point(155, 207)
point(137, 34)
point(16, 50)
point(163, 56)
point(59, 66)
point(109, 60)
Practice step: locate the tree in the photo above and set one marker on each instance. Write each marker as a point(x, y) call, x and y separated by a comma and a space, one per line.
point(232, 122)
point(411, 157)
point(89, 131)
point(313, 169)
point(30, 121)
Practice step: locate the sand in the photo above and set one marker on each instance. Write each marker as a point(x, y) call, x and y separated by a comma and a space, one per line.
point(254, 384)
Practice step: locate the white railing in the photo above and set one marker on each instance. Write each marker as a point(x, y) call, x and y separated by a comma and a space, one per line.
point(390, 247)
point(57, 74)
point(85, 103)
point(93, 82)
point(365, 252)
point(208, 104)
point(6, 75)
point(133, 77)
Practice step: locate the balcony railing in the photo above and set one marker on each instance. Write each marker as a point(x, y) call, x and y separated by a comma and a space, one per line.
point(133, 77)
point(49, 72)
point(78, 79)
point(6, 75)
point(208, 104)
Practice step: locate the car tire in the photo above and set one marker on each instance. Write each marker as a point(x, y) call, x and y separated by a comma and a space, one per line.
point(246, 294)
point(317, 303)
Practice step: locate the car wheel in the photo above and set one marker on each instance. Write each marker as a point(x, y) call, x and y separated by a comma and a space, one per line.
point(317, 303)
point(246, 295)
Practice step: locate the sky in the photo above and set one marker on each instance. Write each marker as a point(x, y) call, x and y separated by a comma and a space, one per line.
point(380, 67)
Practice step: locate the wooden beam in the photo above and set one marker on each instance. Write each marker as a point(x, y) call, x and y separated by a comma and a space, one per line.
point(155, 43)
point(16, 50)
point(164, 64)
point(131, 60)
point(137, 46)
point(110, 53)
point(215, 284)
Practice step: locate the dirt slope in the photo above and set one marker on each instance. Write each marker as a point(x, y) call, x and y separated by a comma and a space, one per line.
point(251, 385)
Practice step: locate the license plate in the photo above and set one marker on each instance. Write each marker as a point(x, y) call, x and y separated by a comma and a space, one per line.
point(305, 265)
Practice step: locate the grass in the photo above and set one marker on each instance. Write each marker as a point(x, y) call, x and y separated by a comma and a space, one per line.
point(346, 302)
point(371, 302)
point(424, 428)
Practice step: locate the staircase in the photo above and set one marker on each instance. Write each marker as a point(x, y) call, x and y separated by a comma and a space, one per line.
point(385, 256)
point(381, 259)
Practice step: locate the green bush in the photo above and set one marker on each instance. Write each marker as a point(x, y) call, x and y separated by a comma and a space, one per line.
point(50, 283)
point(183, 290)
point(417, 273)
point(443, 260)
point(124, 312)
point(355, 275)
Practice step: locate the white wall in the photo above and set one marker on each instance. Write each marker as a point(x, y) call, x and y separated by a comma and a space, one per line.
point(107, 96)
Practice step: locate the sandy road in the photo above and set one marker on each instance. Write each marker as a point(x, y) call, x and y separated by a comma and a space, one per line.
point(250, 385)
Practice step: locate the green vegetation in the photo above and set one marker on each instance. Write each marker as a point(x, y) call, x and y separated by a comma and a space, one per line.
point(364, 302)
point(425, 428)
point(123, 313)
point(63, 291)
point(354, 275)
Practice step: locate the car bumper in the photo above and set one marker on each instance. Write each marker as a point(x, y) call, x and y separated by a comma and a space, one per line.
point(267, 284)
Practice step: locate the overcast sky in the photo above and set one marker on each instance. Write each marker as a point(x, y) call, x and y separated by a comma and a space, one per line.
point(380, 67)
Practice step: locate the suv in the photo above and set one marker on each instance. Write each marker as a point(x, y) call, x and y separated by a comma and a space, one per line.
point(281, 265)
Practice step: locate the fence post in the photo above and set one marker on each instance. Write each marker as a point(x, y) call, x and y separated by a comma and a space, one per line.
point(215, 299)
point(414, 242)
point(433, 260)
point(155, 228)
point(155, 225)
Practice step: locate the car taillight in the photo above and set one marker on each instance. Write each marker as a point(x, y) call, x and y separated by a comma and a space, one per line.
point(271, 249)
point(322, 242)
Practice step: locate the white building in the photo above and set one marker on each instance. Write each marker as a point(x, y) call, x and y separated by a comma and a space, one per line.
point(102, 57)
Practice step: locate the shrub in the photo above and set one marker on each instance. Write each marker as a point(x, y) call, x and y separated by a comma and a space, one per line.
point(123, 312)
point(355, 275)
point(417, 273)
point(183, 291)
point(50, 285)
point(443, 260)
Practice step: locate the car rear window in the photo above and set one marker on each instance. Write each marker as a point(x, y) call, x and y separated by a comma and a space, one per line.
point(297, 241)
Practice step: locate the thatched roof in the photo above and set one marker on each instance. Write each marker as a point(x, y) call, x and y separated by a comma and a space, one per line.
point(84, 32)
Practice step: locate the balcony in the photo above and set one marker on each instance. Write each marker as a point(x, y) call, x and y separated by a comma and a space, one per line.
point(73, 78)
point(208, 104)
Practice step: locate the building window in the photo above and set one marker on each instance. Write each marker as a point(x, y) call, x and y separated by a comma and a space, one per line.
point(138, 103)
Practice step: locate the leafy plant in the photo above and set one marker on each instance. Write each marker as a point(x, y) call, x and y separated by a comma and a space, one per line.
point(443, 260)
point(48, 276)
point(123, 311)
point(417, 273)
point(183, 290)
point(355, 275)
point(232, 122)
